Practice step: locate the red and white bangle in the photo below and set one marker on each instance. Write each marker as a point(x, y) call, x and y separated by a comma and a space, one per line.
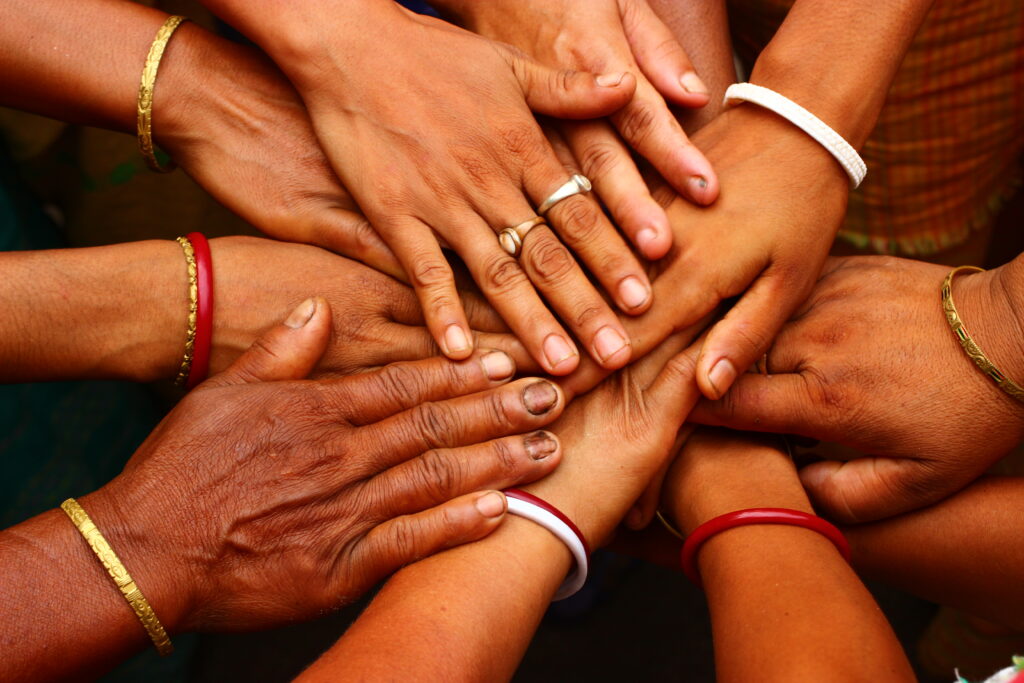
point(832, 141)
point(531, 507)
point(731, 520)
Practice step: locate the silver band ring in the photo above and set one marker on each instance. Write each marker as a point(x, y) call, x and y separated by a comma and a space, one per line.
point(511, 239)
point(577, 184)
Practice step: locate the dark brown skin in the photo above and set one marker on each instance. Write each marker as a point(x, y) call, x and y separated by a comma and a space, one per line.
point(870, 361)
point(263, 498)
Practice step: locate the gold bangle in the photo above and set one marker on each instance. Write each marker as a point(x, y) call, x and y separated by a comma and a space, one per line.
point(668, 525)
point(110, 561)
point(193, 312)
point(971, 347)
point(146, 88)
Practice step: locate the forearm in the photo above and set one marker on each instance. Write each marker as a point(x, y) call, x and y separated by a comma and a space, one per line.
point(838, 59)
point(116, 312)
point(964, 552)
point(465, 614)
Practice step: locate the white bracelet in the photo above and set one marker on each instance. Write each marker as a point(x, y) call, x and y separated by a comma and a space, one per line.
point(563, 533)
point(791, 111)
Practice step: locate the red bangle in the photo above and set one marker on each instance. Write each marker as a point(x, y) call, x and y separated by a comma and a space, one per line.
point(731, 520)
point(204, 311)
point(543, 504)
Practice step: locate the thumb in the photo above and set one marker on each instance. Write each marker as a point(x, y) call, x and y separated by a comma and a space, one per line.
point(288, 350)
point(568, 94)
point(871, 488)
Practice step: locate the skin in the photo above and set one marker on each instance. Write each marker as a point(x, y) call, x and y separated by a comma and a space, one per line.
point(139, 334)
point(870, 361)
point(461, 158)
point(329, 487)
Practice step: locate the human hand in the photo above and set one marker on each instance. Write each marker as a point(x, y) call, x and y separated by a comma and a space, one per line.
point(262, 498)
point(764, 241)
point(870, 361)
point(460, 157)
point(614, 35)
point(376, 319)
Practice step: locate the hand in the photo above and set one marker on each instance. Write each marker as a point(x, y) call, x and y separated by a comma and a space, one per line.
point(764, 241)
point(377, 320)
point(614, 35)
point(262, 499)
point(447, 146)
point(869, 361)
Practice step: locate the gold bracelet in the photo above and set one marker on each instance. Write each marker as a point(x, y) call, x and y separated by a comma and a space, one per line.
point(193, 312)
point(970, 347)
point(110, 561)
point(146, 88)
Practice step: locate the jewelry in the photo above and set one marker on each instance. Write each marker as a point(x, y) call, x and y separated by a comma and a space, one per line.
point(668, 526)
point(511, 239)
point(537, 510)
point(112, 563)
point(577, 184)
point(832, 141)
point(146, 88)
point(971, 347)
point(193, 310)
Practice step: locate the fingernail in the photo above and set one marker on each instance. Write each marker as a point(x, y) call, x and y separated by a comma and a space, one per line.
point(540, 397)
point(557, 350)
point(540, 445)
point(455, 339)
point(721, 376)
point(692, 84)
point(498, 365)
point(633, 292)
point(491, 504)
point(645, 239)
point(609, 341)
point(610, 80)
point(698, 183)
point(302, 314)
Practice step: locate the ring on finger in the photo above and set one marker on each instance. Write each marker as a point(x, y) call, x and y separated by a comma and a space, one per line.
point(577, 184)
point(511, 239)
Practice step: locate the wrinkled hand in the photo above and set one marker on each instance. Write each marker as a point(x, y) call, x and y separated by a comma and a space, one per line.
point(263, 499)
point(377, 320)
point(764, 240)
point(869, 361)
point(613, 35)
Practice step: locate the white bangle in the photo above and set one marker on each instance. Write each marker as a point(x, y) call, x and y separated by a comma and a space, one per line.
point(791, 111)
point(564, 533)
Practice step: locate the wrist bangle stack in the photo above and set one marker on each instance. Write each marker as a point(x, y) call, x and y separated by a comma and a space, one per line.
point(739, 518)
point(146, 88)
point(968, 344)
point(110, 561)
point(832, 141)
point(195, 364)
point(536, 510)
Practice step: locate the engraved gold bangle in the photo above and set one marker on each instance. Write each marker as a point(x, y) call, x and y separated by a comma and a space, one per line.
point(110, 561)
point(146, 88)
point(971, 347)
point(193, 312)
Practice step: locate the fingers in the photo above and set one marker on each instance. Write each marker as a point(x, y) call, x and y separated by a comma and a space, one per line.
point(374, 396)
point(871, 488)
point(673, 392)
point(403, 540)
point(407, 343)
point(617, 181)
point(746, 332)
point(350, 234)
point(568, 94)
point(432, 279)
point(442, 474)
point(782, 404)
point(660, 56)
point(522, 406)
point(286, 351)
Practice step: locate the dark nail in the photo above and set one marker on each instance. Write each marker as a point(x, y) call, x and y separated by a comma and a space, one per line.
point(540, 445)
point(540, 397)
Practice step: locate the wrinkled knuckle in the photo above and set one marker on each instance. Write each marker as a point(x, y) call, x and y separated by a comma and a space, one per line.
point(753, 338)
point(502, 273)
point(563, 80)
point(584, 316)
point(684, 368)
point(439, 475)
point(399, 382)
point(403, 539)
point(636, 122)
point(501, 413)
point(429, 273)
point(600, 159)
point(433, 423)
point(551, 260)
point(521, 140)
point(581, 220)
point(508, 464)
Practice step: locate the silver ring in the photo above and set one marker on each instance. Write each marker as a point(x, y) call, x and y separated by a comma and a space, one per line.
point(511, 239)
point(577, 184)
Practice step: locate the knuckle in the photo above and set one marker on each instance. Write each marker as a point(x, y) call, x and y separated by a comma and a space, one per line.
point(581, 220)
point(403, 539)
point(585, 315)
point(439, 475)
point(505, 460)
point(551, 260)
point(600, 159)
point(400, 383)
point(501, 413)
point(752, 337)
point(429, 273)
point(521, 140)
point(501, 273)
point(562, 80)
point(433, 423)
point(636, 122)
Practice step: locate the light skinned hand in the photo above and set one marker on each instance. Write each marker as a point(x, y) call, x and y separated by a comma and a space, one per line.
point(264, 498)
point(870, 361)
point(601, 36)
